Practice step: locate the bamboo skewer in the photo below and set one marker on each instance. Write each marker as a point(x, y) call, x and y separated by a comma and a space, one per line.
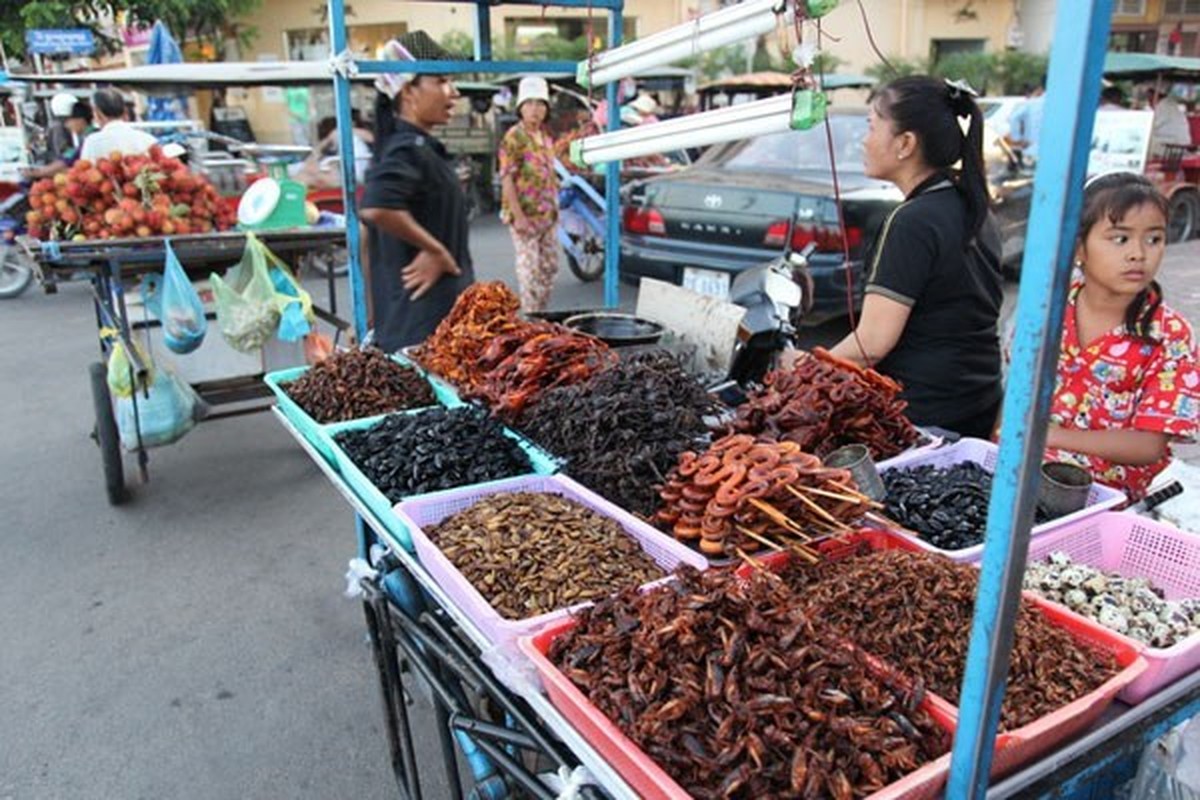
point(820, 511)
point(778, 517)
point(760, 539)
point(855, 497)
point(807, 554)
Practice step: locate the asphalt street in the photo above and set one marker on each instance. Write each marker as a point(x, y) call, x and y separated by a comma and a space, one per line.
point(194, 643)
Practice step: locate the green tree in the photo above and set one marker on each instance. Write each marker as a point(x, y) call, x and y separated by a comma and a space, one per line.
point(975, 68)
point(212, 22)
point(458, 43)
point(1015, 71)
point(898, 68)
point(826, 63)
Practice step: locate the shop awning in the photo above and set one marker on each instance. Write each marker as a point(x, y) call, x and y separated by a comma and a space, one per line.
point(1151, 66)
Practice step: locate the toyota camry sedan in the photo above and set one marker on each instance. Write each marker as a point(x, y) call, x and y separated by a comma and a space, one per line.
point(747, 202)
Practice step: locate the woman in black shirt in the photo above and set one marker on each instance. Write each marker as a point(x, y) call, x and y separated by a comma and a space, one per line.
point(934, 284)
point(413, 206)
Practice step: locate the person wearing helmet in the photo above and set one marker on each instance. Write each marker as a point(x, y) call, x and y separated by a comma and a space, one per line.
point(64, 137)
point(529, 199)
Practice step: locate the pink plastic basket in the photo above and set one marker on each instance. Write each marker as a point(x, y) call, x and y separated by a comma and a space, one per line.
point(1136, 547)
point(984, 453)
point(429, 510)
point(646, 777)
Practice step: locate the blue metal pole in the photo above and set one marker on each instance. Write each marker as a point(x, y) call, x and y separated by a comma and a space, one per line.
point(483, 31)
point(341, 96)
point(612, 180)
point(1072, 95)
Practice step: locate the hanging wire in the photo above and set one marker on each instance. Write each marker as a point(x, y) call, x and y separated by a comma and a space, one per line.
point(871, 39)
point(803, 77)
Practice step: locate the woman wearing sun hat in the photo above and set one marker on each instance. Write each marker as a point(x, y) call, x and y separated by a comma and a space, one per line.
point(413, 206)
point(529, 200)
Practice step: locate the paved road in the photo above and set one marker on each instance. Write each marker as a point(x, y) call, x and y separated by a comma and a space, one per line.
point(193, 644)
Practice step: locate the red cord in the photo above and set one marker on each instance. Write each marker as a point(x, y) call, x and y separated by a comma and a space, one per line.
point(837, 199)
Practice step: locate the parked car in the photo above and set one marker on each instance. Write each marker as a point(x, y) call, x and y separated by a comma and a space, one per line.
point(742, 202)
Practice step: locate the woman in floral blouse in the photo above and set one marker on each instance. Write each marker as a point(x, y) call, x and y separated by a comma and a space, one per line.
point(529, 203)
point(1128, 383)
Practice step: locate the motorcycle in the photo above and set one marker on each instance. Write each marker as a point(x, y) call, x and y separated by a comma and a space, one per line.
point(16, 267)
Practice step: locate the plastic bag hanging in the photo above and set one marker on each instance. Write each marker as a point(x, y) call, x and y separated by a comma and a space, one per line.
point(165, 412)
point(295, 304)
point(122, 382)
point(247, 310)
point(177, 304)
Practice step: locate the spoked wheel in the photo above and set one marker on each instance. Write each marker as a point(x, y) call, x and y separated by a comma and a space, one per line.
point(589, 266)
point(106, 436)
point(1183, 216)
point(332, 259)
point(16, 271)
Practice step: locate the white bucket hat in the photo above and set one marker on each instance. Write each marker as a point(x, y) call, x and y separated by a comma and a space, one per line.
point(390, 83)
point(644, 105)
point(532, 88)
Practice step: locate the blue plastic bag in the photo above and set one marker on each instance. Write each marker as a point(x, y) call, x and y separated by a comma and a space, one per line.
point(294, 316)
point(164, 413)
point(175, 301)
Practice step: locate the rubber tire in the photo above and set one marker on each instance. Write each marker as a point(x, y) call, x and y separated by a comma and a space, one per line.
point(15, 264)
point(1183, 203)
point(107, 436)
point(579, 272)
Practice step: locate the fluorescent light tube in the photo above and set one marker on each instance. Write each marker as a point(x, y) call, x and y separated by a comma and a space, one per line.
point(772, 115)
point(737, 23)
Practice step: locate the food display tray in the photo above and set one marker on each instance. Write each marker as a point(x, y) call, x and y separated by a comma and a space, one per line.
point(645, 776)
point(541, 463)
point(422, 513)
point(1024, 744)
point(312, 430)
point(984, 453)
point(1136, 547)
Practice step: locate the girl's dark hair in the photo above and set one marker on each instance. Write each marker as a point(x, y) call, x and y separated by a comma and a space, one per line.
point(1113, 196)
point(931, 108)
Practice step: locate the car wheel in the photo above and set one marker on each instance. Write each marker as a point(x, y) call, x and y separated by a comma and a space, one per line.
point(1182, 216)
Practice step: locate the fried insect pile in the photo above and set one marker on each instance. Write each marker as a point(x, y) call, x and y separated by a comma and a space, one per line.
point(482, 312)
point(914, 610)
point(358, 383)
point(735, 694)
point(745, 492)
point(518, 367)
point(824, 402)
point(621, 432)
point(530, 553)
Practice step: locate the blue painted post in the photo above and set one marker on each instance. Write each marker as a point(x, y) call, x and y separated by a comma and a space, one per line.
point(612, 181)
point(341, 97)
point(483, 32)
point(1072, 95)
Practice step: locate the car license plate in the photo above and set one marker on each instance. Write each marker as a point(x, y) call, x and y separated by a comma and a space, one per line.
point(707, 281)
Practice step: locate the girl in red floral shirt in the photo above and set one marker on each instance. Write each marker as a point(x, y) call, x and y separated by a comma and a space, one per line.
point(1128, 382)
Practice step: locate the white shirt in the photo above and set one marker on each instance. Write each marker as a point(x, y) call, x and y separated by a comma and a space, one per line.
point(1170, 125)
point(116, 136)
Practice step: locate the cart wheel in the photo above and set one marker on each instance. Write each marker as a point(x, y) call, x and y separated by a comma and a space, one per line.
point(16, 271)
point(1183, 216)
point(590, 265)
point(107, 436)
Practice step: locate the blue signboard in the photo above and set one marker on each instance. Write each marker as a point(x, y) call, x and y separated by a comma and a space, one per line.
point(47, 41)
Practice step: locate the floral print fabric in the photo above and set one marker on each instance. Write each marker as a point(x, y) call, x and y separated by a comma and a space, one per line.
point(529, 160)
point(1119, 382)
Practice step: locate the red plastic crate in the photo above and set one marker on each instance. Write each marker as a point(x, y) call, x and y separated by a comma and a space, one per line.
point(1015, 747)
point(648, 779)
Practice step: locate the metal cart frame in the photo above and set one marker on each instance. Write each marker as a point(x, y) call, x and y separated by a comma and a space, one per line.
point(110, 265)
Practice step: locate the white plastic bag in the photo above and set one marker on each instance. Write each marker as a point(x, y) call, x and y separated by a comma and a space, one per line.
point(164, 414)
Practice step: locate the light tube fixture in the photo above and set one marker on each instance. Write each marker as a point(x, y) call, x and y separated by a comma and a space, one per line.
point(746, 20)
point(799, 110)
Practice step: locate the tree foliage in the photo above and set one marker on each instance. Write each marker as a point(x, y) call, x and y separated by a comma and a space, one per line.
point(212, 22)
point(1006, 73)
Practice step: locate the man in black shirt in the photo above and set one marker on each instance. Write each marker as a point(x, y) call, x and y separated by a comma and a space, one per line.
point(413, 206)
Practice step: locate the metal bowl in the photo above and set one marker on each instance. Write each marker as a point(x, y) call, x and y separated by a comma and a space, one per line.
point(618, 330)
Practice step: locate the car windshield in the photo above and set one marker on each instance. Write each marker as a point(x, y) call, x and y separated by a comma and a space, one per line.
point(799, 151)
